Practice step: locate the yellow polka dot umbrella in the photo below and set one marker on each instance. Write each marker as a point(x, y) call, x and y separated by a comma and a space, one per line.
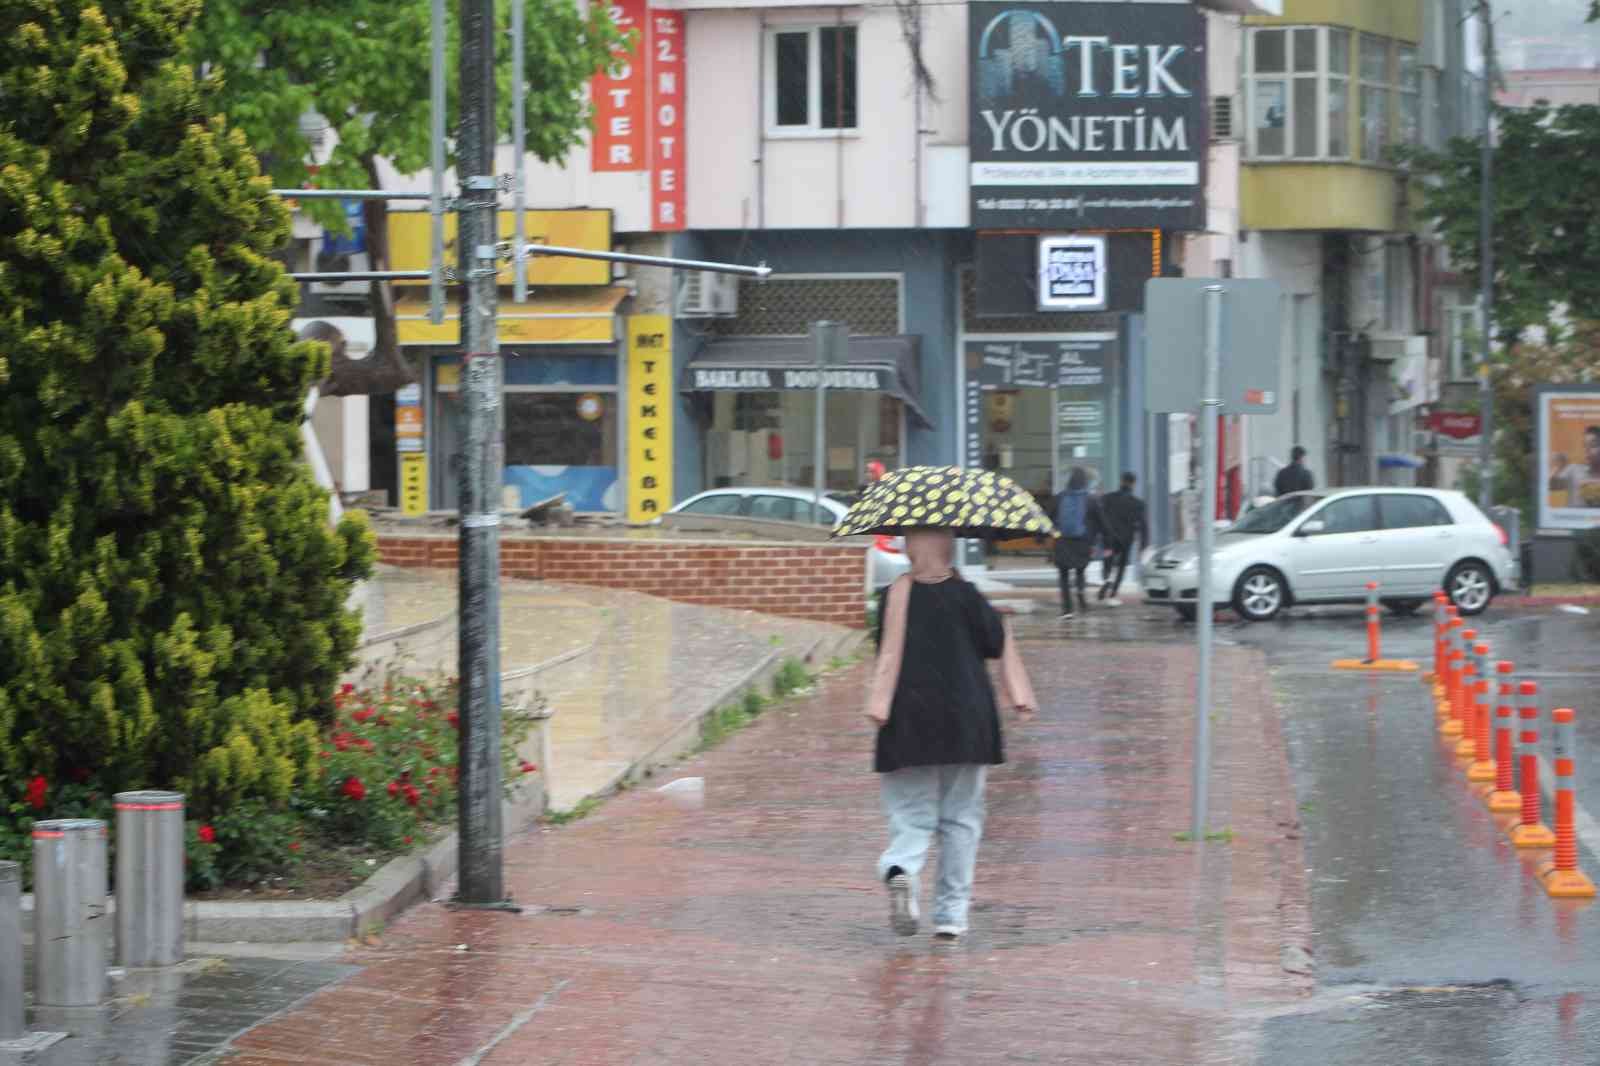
point(969, 503)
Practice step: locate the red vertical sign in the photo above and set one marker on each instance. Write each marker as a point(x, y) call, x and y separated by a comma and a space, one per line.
point(621, 98)
point(667, 96)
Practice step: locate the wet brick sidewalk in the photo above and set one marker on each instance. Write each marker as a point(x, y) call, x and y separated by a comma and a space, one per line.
point(751, 931)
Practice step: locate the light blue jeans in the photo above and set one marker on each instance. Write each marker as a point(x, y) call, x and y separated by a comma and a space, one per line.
point(920, 801)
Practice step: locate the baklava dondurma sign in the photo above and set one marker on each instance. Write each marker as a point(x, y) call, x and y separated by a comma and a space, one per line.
point(1088, 115)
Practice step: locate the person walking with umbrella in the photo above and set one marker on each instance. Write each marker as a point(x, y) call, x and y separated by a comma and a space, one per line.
point(937, 717)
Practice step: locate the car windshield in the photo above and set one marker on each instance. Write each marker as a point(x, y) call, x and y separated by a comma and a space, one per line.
point(1275, 515)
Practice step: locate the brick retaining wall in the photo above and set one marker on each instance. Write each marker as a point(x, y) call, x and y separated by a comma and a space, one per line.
point(824, 583)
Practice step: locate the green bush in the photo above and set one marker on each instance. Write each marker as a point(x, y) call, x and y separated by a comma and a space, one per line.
point(172, 596)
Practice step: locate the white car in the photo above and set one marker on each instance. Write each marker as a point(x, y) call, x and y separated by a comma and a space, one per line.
point(1323, 547)
point(886, 559)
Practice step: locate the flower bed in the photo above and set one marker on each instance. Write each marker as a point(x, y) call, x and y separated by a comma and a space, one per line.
point(383, 782)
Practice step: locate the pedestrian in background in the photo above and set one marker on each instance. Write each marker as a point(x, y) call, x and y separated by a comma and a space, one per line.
point(938, 728)
point(1294, 477)
point(1123, 524)
point(1077, 517)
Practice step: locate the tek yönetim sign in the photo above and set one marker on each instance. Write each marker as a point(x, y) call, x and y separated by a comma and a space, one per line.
point(768, 379)
point(1087, 115)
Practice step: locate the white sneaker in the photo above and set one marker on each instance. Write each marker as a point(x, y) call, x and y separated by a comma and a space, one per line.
point(1113, 602)
point(902, 906)
point(947, 934)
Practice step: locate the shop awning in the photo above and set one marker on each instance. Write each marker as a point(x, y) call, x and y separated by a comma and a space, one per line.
point(549, 316)
point(770, 364)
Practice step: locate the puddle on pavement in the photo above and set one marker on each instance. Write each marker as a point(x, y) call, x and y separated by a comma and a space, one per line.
point(182, 1016)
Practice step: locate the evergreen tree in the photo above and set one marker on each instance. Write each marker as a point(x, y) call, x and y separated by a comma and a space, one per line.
point(172, 597)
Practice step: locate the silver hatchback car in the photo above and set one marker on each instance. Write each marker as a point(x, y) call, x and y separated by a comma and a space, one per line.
point(1323, 547)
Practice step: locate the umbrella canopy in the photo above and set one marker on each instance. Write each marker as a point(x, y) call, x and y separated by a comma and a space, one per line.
point(968, 503)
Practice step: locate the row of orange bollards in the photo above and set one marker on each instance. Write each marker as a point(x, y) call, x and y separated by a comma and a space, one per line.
point(1465, 686)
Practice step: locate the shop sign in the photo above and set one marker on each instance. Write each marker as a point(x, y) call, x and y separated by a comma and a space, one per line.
point(1070, 363)
point(413, 483)
point(1458, 425)
point(1087, 115)
point(408, 423)
point(650, 405)
point(619, 93)
point(772, 380)
point(1072, 273)
point(665, 45)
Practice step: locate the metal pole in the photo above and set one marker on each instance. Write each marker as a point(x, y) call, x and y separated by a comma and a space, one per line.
point(363, 275)
point(71, 933)
point(519, 141)
point(436, 106)
point(347, 194)
point(819, 468)
point(1486, 265)
point(760, 271)
point(1210, 410)
point(150, 858)
point(12, 1021)
point(482, 880)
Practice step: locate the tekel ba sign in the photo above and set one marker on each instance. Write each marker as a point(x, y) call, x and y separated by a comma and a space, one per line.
point(1087, 115)
point(650, 403)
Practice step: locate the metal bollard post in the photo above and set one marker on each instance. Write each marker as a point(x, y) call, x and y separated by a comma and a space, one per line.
point(150, 854)
point(1564, 879)
point(1486, 766)
point(13, 1023)
point(1372, 622)
point(1475, 724)
point(1530, 832)
point(71, 932)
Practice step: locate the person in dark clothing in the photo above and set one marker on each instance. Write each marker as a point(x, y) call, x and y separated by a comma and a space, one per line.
point(1078, 519)
point(938, 727)
point(1294, 477)
point(1122, 525)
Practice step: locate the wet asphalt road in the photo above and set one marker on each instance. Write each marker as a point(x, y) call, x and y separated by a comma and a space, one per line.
point(1434, 941)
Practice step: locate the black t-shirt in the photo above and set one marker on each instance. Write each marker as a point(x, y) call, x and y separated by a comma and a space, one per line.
point(944, 707)
point(1293, 478)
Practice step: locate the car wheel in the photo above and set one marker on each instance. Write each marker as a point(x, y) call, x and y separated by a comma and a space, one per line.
point(1403, 608)
point(1259, 595)
point(1186, 611)
point(1469, 587)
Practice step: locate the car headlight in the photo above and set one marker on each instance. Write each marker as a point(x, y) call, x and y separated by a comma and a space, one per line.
point(1190, 564)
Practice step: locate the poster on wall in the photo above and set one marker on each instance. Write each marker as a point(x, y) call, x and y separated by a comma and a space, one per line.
point(1087, 115)
point(649, 423)
point(1567, 429)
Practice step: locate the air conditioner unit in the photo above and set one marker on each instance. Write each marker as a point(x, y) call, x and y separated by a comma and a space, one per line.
point(707, 294)
point(334, 262)
point(1222, 112)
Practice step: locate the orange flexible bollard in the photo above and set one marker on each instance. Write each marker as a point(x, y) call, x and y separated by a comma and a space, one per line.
point(1374, 661)
point(1372, 622)
point(1447, 688)
point(1503, 799)
point(1564, 879)
point(1440, 602)
point(1474, 744)
point(1466, 675)
point(1530, 832)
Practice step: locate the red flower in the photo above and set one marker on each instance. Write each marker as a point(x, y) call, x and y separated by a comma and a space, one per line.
point(294, 845)
point(528, 767)
point(353, 788)
point(364, 714)
point(341, 741)
point(346, 688)
point(38, 788)
point(363, 743)
point(207, 834)
point(412, 795)
point(394, 788)
point(454, 719)
point(407, 840)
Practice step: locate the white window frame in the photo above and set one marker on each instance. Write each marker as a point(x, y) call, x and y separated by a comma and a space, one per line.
point(1389, 89)
point(769, 91)
point(1353, 82)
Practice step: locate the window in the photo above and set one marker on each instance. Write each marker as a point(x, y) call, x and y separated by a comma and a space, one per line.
point(813, 80)
point(1376, 83)
point(1353, 514)
point(776, 508)
point(561, 429)
point(717, 505)
point(1410, 512)
point(1339, 94)
point(1409, 88)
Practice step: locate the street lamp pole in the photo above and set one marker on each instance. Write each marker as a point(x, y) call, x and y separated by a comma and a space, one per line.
point(1486, 266)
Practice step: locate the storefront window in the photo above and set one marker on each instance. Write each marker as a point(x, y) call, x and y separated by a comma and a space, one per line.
point(561, 429)
point(766, 438)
